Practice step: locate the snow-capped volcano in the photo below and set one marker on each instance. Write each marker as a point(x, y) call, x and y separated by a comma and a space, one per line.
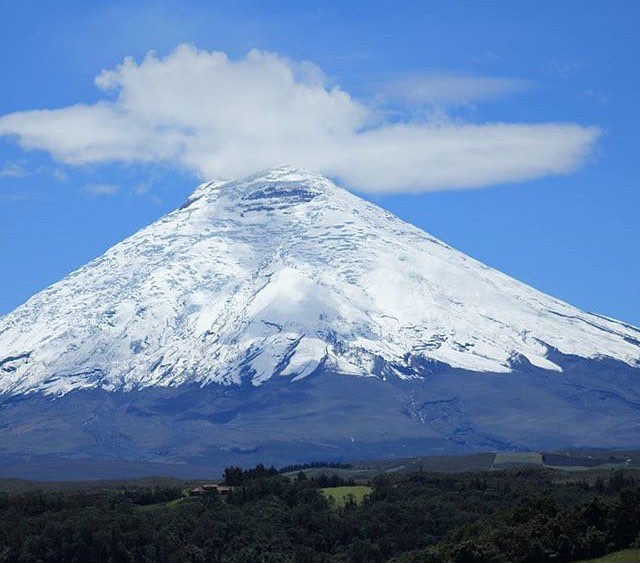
point(280, 275)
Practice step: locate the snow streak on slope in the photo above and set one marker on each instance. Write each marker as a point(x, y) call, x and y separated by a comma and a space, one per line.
point(278, 275)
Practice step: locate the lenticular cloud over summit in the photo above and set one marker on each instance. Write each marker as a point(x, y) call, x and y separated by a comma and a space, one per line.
point(224, 118)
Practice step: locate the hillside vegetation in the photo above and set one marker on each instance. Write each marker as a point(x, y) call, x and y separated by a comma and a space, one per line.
point(521, 515)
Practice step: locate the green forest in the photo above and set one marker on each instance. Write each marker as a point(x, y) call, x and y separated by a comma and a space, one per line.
point(517, 515)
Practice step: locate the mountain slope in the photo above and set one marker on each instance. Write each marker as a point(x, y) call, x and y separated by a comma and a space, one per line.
point(283, 274)
point(281, 319)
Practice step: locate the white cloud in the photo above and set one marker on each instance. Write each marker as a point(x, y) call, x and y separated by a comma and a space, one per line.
point(461, 156)
point(101, 189)
point(452, 89)
point(223, 119)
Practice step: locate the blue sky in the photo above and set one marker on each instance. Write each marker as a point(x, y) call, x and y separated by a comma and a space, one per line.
point(560, 213)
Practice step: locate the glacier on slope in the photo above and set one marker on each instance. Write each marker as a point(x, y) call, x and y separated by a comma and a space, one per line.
point(280, 275)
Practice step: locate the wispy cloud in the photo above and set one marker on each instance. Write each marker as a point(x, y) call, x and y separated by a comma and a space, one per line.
point(13, 198)
point(563, 68)
point(59, 174)
point(225, 118)
point(453, 89)
point(485, 57)
point(101, 189)
point(12, 170)
point(12, 194)
point(142, 188)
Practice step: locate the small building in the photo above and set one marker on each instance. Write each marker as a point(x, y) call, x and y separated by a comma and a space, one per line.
point(209, 489)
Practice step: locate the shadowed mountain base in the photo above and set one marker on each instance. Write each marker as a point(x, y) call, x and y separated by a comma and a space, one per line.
point(196, 431)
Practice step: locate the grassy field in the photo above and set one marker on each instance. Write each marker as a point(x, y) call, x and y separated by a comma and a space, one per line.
point(342, 494)
point(517, 458)
point(569, 462)
point(444, 464)
point(624, 556)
